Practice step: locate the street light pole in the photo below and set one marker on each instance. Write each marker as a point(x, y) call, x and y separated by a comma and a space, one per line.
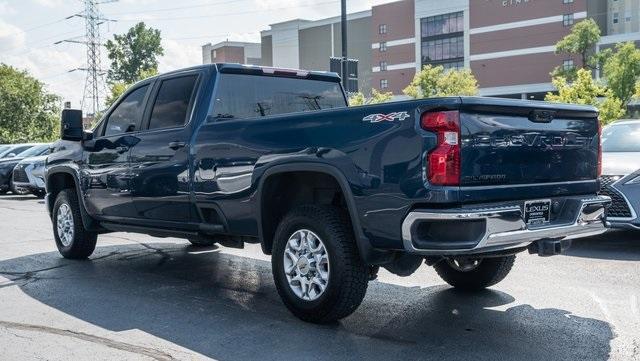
point(343, 25)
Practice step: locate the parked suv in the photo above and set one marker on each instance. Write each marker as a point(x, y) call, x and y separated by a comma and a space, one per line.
point(8, 164)
point(621, 173)
point(239, 154)
point(28, 174)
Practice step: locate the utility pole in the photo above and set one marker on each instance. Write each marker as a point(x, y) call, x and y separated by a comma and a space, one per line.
point(94, 86)
point(345, 59)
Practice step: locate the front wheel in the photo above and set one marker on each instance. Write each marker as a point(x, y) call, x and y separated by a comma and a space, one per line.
point(72, 239)
point(474, 274)
point(316, 265)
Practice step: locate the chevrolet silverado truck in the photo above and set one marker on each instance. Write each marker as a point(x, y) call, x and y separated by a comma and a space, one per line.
point(236, 154)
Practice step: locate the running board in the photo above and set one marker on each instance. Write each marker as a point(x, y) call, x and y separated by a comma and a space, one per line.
point(152, 231)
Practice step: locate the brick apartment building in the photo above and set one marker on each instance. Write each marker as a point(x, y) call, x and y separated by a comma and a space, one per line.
point(508, 44)
point(232, 52)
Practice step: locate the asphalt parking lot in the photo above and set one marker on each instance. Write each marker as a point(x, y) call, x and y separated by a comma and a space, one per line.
point(147, 298)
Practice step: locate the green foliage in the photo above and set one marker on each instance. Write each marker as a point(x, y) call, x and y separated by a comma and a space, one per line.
point(27, 111)
point(133, 53)
point(581, 41)
point(584, 90)
point(375, 98)
point(116, 89)
point(434, 81)
point(622, 70)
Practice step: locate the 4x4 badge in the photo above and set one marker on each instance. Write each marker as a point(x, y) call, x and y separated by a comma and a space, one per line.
point(377, 118)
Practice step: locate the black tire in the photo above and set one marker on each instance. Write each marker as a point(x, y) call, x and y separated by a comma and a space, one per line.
point(83, 242)
point(489, 272)
point(348, 276)
point(201, 242)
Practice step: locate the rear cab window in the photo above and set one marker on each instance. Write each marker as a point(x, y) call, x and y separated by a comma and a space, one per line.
point(172, 104)
point(242, 96)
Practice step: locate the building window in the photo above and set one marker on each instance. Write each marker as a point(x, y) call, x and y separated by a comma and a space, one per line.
point(443, 40)
point(442, 24)
point(382, 29)
point(215, 54)
point(567, 64)
point(384, 83)
point(567, 1)
point(616, 17)
point(383, 46)
point(627, 16)
point(383, 66)
point(567, 19)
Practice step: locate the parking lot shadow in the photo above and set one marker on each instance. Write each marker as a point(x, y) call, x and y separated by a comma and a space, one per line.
point(614, 245)
point(226, 307)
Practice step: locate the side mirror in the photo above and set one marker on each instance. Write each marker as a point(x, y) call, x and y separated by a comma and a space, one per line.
point(10, 155)
point(71, 127)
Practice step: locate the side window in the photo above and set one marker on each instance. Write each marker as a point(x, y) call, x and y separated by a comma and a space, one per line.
point(21, 149)
point(252, 96)
point(172, 102)
point(126, 116)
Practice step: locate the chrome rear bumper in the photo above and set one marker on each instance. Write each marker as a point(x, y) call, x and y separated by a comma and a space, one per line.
point(501, 228)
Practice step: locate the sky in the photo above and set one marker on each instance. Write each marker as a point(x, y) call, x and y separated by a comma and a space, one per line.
point(29, 30)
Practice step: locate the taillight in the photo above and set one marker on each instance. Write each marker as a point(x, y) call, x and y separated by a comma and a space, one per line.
point(443, 162)
point(599, 148)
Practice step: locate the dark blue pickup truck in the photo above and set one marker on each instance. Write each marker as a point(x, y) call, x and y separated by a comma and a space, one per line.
point(228, 154)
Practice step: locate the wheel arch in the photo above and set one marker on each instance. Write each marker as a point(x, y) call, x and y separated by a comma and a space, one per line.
point(58, 179)
point(266, 228)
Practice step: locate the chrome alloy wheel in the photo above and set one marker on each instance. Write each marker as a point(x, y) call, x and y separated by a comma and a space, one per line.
point(463, 264)
point(64, 223)
point(306, 265)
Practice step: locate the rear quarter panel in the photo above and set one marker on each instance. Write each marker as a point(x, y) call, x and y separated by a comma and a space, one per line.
point(381, 162)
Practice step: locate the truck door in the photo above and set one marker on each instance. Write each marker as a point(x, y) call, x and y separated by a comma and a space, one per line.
point(160, 160)
point(106, 172)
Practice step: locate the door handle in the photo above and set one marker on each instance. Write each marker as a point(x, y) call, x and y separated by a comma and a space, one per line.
point(121, 149)
point(177, 145)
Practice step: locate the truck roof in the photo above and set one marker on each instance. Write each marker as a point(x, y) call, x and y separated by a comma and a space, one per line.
point(237, 68)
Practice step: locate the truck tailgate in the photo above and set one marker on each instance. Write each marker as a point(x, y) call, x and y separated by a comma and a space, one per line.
point(526, 149)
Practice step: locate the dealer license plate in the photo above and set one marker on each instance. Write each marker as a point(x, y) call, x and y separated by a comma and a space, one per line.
point(537, 212)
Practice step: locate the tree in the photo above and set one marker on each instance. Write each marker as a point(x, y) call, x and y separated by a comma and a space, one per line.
point(621, 70)
point(581, 41)
point(584, 90)
point(27, 111)
point(133, 53)
point(435, 81)
point(118, 88)
point(375, 98)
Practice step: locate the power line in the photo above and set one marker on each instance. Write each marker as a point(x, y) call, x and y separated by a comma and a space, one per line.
point(177, 8)
point(228, 14)
point(94, 87)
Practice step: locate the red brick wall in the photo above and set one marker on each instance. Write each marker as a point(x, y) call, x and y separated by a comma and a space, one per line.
point(492, 12)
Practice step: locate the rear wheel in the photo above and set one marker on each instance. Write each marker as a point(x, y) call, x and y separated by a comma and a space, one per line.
point(474, 274)
point(72, 239)
point(316, 265)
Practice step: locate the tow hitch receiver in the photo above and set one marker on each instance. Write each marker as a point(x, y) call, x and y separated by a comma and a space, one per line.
point(549, 247)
